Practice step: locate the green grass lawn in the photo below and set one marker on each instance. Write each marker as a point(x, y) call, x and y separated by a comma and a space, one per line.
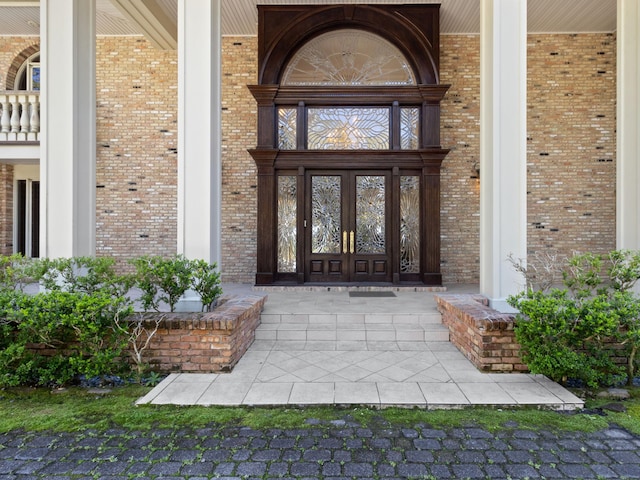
point(76, 409)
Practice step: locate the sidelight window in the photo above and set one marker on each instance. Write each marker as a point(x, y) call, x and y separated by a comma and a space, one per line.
point(287, 228)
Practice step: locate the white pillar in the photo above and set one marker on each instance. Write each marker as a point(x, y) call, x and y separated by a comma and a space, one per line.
point(628, 128)
point(503, 152)
point(68, 122)
point(199, 129)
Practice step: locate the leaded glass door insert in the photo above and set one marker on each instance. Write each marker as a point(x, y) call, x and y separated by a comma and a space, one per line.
point(347, 229)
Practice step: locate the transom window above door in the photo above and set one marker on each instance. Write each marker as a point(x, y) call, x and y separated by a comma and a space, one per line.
point(348, 57)
point(348, 128)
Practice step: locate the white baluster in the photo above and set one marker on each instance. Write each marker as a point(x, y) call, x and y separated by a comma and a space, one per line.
point(35, 118)
point(5, 119)
point(24, 117)
point(15, 118)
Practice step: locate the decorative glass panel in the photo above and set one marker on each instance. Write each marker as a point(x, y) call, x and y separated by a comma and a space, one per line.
point(348, 57)
point(287, 231)
point(370, 214)
point(410, 224)
point(348, 128)
point(287, 120)
point(326, 213)
point(409, 128)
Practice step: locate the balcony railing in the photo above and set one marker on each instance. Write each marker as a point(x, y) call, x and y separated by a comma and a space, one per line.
point(19, 116)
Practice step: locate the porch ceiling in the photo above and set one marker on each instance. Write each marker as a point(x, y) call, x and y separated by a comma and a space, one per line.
point(239, 17)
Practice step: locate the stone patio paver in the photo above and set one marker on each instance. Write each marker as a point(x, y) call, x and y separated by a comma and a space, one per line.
point(316, 348)
point(340, 448)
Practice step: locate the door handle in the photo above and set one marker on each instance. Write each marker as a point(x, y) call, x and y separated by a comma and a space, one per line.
point(352, 241)
point(344, 242)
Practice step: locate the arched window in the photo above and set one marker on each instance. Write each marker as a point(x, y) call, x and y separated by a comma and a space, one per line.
point(348, 57)
point(28, 76)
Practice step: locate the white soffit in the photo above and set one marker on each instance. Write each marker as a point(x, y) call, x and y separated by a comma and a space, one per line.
point(150, 18)
point(240, 17)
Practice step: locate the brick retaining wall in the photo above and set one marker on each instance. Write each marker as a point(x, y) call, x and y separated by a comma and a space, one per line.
point(483, 335)
point(204, 342)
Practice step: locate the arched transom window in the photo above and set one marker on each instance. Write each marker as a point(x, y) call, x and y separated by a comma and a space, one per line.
point(348, 57)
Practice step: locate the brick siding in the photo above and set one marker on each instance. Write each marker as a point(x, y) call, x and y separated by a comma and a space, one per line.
point(571, 143)
point(204, 342)
point(239, 173)
point(483, 335)
point(571, 148)
point(136, 171)
point(6, 209)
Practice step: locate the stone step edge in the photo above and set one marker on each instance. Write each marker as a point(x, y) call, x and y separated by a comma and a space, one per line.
point(368, 327)
point(350, 318)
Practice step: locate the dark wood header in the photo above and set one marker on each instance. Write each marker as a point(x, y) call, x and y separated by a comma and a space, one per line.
point(413, 29)
point(358, 95)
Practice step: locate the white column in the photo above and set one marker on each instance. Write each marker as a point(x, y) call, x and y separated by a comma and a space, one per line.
point(68, 122)
point(503, 152)
point(628, 128)
point(199, 130)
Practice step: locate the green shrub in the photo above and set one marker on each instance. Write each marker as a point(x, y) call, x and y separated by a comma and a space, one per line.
point(17, 271)
point(84, 275)
point(82, 324)
point(562, 337)
point(77, 329)
point(206, 283)
point(168, 279)
point(572, 332)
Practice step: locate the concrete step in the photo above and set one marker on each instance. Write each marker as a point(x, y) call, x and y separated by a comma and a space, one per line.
point(369, 332)
point(428, 318)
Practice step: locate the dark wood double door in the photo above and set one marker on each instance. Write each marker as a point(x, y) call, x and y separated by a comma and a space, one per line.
point(348, 227)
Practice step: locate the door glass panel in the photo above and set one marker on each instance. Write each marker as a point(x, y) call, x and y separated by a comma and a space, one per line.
point(326, 213)
point(410, 224)
point(348, 128)
point(370, 214)
point(287, 231)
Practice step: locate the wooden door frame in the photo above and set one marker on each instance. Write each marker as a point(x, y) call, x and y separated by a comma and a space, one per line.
point(414, 30)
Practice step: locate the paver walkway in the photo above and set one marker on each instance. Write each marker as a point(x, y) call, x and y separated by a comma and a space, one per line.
point(329, 347)
point(337, 450)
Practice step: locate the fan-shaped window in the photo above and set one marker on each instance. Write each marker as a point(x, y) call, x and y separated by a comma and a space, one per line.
point(28, 77)
point(348, 57)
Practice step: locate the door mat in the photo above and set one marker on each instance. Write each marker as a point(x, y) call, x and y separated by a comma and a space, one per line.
point(372, 294)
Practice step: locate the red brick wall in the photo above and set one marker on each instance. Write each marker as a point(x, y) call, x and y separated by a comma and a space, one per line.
point(204, 342)
point(484, 336)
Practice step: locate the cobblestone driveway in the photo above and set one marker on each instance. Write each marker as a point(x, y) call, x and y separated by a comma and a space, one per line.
point(340, 449)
